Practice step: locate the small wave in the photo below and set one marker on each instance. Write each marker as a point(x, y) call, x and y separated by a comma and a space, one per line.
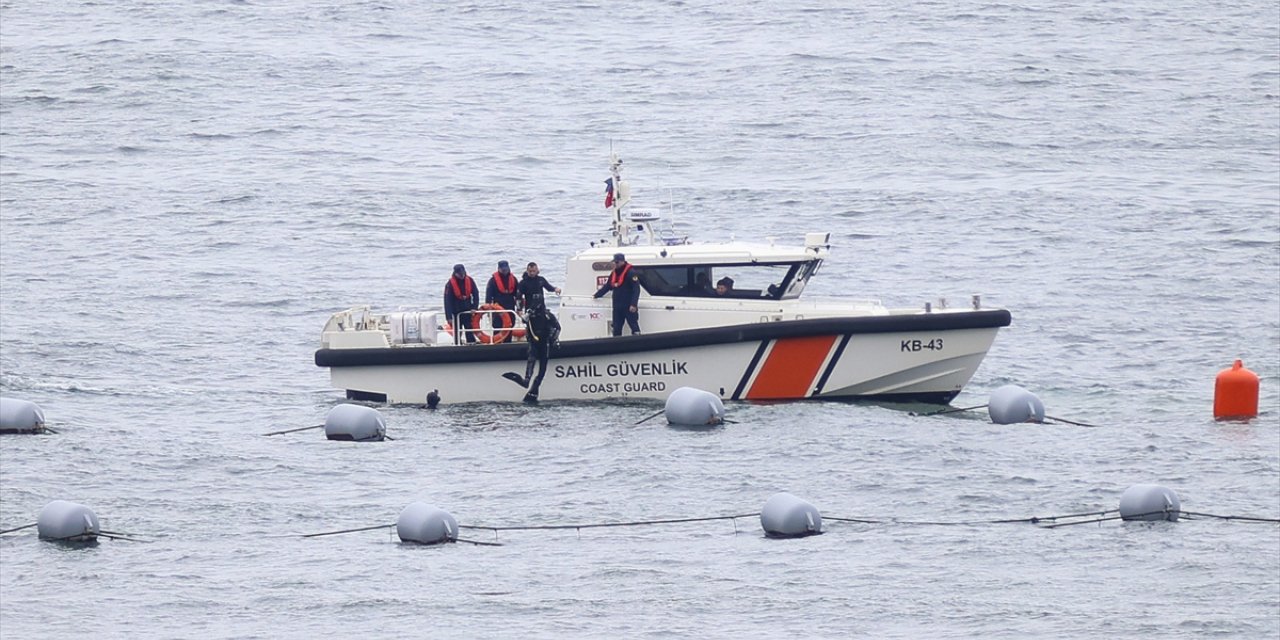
point(814, 57)
point(234, 199)
point(267, 304)
point(41, 99)
point(210, 136)
point(389, 36)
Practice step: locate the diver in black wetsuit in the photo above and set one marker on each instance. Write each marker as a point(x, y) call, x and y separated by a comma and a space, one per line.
point(543, 331)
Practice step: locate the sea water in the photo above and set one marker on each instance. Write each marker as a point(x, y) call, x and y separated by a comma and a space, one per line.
point(189, 189)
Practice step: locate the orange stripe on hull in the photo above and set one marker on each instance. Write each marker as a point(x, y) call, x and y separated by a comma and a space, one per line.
point(791, 368)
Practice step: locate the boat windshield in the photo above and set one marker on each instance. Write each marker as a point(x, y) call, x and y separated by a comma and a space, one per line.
point(752, 281)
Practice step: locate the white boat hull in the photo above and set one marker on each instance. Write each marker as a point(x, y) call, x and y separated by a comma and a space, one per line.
point(833, 359)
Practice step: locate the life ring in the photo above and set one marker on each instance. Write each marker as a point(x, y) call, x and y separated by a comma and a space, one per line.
point(498, 319)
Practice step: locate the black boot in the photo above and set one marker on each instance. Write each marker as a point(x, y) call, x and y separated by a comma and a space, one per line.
point(516, 378)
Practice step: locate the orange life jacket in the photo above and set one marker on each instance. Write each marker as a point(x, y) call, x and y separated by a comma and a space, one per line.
point(617, 279)
point(510, 281)
point(457, 291)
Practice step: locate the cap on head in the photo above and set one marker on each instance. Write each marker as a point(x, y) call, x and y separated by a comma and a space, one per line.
point(458, 268)
point(502, 264)
point(618, 257)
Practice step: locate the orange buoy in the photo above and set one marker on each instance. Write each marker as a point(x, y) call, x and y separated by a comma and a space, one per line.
point(1235, 393)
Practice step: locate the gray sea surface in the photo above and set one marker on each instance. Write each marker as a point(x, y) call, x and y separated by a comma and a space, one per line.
point(189, 189)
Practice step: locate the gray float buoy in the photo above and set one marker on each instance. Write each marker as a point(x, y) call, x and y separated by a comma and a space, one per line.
point(1012, 404)
point(20, 416)
point(1149, 502)
point(354, 422)
point(691, 407)
point(67, 522)
point(786, 516)
point(425, 524)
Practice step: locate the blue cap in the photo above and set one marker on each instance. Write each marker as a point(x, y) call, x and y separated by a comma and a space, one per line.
point(618, 257)
point(502, 264)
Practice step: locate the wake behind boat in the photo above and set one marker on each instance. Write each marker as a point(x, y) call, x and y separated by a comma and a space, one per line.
point(755, 340)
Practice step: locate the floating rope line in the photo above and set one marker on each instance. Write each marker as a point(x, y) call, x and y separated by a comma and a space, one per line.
point(479, 543)
point(650, 417)
point(1097, 520)
point(25, 526)
point(113, 535)
point(1137, 516)
point(1244, 518)
point(1042, 522)
point(1078, 424)
point(599, 525)
point(943, 412)
point(1031, 520)
point(389, 533)
point(276, 433)
point(121, 536)
point(334, 533)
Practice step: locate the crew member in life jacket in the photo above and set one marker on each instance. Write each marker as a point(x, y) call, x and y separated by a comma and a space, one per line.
point(461, 297)
point(502, 287)
point(543, 331)
point(625, 284)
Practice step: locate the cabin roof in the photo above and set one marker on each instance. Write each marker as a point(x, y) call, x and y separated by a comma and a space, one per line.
point(705, 253)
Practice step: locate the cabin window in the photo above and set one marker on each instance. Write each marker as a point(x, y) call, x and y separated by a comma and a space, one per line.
point(750, 281)
point(801, 278)
point(677, 281)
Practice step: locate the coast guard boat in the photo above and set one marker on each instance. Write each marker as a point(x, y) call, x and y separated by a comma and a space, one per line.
point(760, 341)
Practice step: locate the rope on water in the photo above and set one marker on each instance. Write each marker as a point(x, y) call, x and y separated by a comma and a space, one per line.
point(1043, 522)
point(1078, 424)
point(600, 525)
point(943, 412)
point(121, 536)
point(1243, 518)
point(334, 533)
point(1031, 520)
point(276, 433)
point(650, 417)
point(479, 543)
point(25, 526)
point(388, 528)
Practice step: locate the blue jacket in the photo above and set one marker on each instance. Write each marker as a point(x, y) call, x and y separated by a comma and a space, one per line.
point(453, 305)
